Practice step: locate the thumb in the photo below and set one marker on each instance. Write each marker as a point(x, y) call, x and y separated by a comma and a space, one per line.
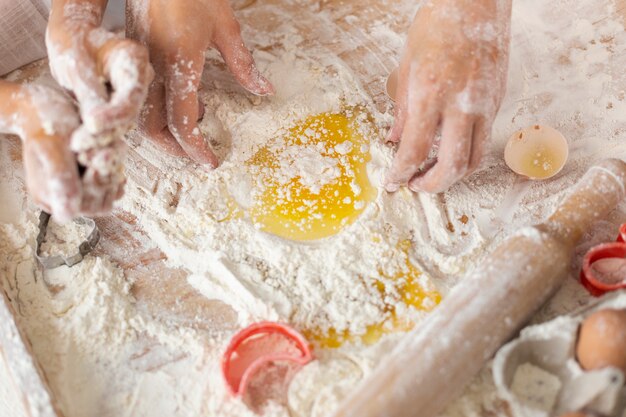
point(53, 177)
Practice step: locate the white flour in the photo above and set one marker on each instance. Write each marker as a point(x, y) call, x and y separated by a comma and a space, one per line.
point(86, 329)
point(63, 239)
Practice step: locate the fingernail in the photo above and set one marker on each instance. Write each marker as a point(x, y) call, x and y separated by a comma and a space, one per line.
point(93, 123)
point(392, 187)
point(262, 86)
point(209, 166)
point(414, 187)
point(209, 162)
point(390, 138)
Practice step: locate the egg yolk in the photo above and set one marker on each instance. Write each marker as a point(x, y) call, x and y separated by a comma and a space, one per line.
point(313, 181)
point(417, 294)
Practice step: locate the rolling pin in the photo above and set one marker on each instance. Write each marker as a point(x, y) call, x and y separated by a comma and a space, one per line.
point(434, 362)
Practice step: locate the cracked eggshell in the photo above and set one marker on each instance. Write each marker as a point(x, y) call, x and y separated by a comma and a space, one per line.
point(538, 152)
point(391, 86)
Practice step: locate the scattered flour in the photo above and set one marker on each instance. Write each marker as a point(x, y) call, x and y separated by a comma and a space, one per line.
point(63, 239)
point(307, 163)
point(100, 352)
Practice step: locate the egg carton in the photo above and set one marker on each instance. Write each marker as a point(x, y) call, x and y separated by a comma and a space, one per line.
point(539, 376)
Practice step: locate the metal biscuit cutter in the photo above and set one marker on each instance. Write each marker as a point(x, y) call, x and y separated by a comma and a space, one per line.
point(54, 261)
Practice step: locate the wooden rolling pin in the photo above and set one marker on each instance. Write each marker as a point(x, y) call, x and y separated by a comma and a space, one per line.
point(435, 361)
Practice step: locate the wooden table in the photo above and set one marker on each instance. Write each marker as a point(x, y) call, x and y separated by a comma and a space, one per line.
point(164, 292)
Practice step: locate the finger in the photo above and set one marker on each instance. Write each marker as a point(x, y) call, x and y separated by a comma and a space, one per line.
point(201, 109)
point(104, 177)
point(400, 109)
point(417, 140)
point(181, 94)
point(453, 156)
point(239, 59)
point(95, 190)
point(52, 175)
point(78, 72)
point(126, 66)
point(111, 198)
point(120, 190)
point(481, 134)
point(153, 121)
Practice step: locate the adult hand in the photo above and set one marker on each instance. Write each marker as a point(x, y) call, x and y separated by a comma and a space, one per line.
point(452, 76)
point(177, 34)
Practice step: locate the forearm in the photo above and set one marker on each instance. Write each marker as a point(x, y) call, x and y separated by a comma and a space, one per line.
point(467, 14)
point(78, 11)
point(9, 102)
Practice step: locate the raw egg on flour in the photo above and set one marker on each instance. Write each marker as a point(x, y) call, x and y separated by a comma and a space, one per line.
point(310, 183)
point(416, 292)
point(313, 181)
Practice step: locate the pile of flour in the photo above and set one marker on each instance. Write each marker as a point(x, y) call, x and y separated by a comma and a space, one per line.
point(98, 350)
point(317, 285)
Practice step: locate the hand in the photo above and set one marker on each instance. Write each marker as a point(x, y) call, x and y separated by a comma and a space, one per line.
point(452, 74)
point(177, 34)
point(45, 119)
point(108, 75)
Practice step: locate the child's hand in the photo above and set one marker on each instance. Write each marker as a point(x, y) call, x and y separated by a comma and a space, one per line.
point(452, 74)
point(108, 75)
point(45, 119)
point(178, 33)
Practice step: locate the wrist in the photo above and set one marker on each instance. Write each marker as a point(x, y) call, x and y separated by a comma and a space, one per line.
point(467, 11)
point(72, 15)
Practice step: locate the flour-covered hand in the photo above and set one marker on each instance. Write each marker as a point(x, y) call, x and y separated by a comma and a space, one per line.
point(108, 75)
point(177, 34)
point(452, 77)
point(46, 120)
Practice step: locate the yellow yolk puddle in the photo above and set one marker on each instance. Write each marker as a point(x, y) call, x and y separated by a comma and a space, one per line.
point(314, 179)
point(312, 182)
point(413, 294)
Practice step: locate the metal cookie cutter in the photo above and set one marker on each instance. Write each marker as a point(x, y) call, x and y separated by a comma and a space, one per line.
point(54, 261)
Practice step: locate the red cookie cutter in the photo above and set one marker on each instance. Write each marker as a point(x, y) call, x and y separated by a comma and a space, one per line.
point(257, 345)
point(616, 249)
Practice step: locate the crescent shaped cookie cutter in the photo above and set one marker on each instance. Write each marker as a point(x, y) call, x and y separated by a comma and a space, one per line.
point(588, 278)
point(253, 347)
point(54, 261)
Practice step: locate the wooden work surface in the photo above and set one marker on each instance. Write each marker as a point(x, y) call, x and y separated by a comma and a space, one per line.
point(163, 291)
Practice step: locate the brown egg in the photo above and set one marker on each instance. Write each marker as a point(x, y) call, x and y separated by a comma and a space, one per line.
point(602, 340)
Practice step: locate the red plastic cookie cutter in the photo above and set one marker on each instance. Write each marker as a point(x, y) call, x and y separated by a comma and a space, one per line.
point(257, 345)
point(616, 249)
